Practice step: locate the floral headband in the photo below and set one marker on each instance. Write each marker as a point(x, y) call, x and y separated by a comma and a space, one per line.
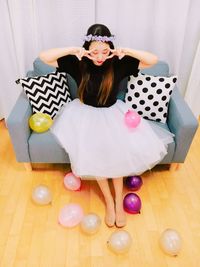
point(99, 38)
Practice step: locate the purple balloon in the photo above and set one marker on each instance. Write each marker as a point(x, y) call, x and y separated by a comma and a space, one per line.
point(132, 203)
point(133, 182)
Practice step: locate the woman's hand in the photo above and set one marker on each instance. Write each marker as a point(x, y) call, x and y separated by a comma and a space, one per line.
point(81, 52)
point(119, 52)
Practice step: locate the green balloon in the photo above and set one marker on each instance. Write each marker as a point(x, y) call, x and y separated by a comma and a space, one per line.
point(40, 122)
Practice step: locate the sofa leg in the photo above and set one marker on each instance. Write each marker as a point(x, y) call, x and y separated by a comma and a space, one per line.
point(174, 166)
point(28, 166)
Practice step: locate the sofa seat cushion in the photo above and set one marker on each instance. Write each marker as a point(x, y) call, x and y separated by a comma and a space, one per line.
point(43, 147)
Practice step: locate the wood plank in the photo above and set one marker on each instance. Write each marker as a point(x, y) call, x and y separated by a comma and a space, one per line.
point(30, 234)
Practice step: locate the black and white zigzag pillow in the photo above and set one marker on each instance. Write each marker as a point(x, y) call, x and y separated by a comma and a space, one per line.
point(149, 95)
point(48, 93)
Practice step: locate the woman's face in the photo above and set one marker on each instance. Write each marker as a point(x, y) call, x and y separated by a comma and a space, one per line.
point(99, 52)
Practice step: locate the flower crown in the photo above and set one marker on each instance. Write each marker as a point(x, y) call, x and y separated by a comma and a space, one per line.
point(98, 38)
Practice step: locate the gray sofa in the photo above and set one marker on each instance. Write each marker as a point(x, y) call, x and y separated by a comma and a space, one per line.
point(31, 147)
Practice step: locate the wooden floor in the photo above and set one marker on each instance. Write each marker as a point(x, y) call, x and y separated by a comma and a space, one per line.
point(31, 236)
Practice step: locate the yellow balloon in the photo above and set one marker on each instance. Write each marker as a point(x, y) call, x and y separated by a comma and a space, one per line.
point(40, 122)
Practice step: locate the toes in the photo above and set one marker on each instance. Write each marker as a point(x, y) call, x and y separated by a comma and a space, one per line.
point(120, 218)
point(109, 223)
point(120, 223)
point(110, 218)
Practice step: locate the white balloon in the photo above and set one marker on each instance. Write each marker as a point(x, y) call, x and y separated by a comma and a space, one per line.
point(70, 215)
point(90, 223)
point(171, 242)
point(120, 241)
point(72, 182)
point(42, 195)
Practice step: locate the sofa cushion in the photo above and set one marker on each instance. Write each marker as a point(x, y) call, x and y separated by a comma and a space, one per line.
point(43, 147)
point(150, 95)
point(40, 68)
point(48, 93)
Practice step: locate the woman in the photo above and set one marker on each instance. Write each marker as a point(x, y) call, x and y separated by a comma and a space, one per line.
point(91, 128)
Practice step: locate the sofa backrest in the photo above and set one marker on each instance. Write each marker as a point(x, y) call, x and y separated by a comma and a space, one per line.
point(159, 69)
point(40, 68)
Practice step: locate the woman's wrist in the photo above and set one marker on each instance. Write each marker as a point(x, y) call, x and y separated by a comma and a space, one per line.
point(121, 52)
point(127, 51)
point(78, 52)
point(144, 56)
point(72, 50)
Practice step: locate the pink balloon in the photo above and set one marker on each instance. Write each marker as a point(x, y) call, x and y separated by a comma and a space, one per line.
point(70, 215)
point(132, 119)
point(72, 182)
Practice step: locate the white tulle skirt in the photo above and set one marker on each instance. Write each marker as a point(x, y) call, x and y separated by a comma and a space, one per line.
point(100, 145)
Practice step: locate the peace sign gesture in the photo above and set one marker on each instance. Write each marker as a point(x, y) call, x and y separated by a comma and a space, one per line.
point(88, 54)
point(81, 52)
point(116, 52)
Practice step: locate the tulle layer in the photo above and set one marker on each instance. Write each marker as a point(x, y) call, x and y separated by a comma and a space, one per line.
point(100, 145)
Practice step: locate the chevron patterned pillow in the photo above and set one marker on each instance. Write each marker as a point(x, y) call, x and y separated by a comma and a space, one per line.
point(48, 93)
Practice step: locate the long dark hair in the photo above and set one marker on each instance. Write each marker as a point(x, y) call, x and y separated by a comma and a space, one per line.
point(107, 81)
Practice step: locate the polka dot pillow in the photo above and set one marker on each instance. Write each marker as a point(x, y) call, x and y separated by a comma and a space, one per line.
point(150, 95)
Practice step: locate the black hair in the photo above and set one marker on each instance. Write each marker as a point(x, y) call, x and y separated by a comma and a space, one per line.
point(108, 77)
point(98, 30)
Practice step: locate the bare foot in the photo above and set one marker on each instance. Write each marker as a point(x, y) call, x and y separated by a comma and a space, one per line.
point(110, 215)
point(120, 213)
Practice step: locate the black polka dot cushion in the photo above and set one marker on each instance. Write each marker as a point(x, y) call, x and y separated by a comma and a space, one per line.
point(150, 95)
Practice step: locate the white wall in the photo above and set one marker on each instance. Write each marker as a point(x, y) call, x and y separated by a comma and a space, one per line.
point(170, 29)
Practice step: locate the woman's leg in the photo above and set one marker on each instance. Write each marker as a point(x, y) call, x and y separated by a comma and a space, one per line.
point(120, 213)
point(110, 208)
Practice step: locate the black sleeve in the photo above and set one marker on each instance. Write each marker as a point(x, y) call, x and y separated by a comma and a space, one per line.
point(70, 65)
point(126, 66)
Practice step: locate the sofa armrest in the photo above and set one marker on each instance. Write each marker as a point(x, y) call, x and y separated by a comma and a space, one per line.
point(182, 123)
point(18, 128)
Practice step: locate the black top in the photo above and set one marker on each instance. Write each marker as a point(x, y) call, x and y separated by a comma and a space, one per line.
point(121, 68)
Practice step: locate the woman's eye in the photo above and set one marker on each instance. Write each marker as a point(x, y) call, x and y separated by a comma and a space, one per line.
point(105, 52)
